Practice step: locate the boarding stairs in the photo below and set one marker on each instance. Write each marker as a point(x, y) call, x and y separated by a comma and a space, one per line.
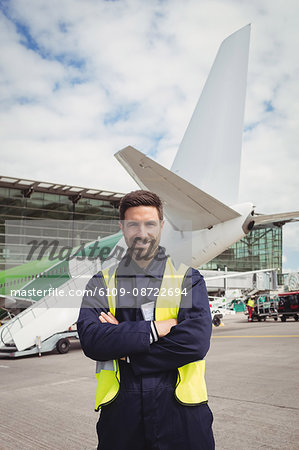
point(51, 315)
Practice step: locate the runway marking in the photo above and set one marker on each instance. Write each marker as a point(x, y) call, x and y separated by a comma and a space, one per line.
point(259, 336)
point(255, 402)
point(4, 367)
point(73, 380)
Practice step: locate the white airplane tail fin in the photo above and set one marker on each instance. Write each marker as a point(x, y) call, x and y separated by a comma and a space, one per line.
point(210, 153)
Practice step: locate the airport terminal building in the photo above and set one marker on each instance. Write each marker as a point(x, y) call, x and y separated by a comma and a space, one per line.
point(259, 249)
point(77, 215)
point(71, 215)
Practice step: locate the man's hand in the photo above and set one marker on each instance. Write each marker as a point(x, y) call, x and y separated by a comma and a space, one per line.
point(164, 326)
point(108, 318)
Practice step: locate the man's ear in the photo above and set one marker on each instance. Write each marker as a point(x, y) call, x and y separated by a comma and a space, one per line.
point(121, 226)
point(162, 224)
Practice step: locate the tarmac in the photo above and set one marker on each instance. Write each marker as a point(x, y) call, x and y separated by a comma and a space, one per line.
point(251, 372)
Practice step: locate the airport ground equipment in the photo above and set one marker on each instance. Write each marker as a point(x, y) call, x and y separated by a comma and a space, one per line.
point(265, 307)
point(217, 307)
point(60, 341)
point(288, 305)
point(216, 319)
point(237, 305)
point(49, 317)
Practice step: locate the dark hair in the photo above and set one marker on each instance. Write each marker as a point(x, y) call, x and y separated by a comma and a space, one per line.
point(140, 198)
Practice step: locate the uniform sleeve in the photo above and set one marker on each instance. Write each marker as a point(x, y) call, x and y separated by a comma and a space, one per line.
point(188, 341)
point(105, 341)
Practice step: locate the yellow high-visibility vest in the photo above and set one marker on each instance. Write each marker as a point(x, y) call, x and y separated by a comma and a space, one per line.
point(250, 303)
point(190, 387)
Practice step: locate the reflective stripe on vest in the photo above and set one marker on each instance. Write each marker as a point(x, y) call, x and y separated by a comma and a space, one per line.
point(190, 387)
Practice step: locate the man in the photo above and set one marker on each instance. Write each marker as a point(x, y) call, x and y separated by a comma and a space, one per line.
point(148, 324)
point(250, 308)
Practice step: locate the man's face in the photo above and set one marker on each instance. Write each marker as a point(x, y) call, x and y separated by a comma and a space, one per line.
point(142, 230)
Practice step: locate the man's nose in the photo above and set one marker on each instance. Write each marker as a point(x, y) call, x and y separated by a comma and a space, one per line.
point(142, 231)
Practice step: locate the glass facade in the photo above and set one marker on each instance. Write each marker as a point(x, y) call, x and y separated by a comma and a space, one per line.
point(69, 218)
point(260, 249)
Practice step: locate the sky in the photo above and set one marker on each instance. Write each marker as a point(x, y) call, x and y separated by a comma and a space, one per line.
point(82, 79)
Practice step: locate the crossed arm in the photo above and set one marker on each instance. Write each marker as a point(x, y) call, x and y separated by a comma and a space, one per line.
point(180, 341)
point(163, 327)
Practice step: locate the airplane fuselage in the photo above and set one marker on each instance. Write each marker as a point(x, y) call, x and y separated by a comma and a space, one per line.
point(200, 246)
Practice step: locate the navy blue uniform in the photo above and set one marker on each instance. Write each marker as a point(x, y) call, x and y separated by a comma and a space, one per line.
point(145, 414)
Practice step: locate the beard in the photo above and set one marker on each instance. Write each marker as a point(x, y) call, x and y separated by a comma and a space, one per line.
point(143, 249)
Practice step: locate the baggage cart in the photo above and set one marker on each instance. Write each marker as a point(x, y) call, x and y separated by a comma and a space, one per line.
point(265, 307)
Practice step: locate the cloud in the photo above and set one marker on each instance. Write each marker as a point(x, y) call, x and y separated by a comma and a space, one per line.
point(81, 80)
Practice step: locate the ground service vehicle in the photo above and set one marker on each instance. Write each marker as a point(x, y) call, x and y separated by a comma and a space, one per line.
point(288, 305)
point(265, 306)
